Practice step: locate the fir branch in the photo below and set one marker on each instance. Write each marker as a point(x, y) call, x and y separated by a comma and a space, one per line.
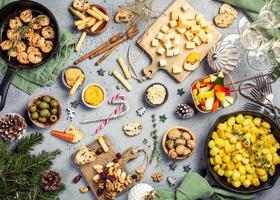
point(25, 145)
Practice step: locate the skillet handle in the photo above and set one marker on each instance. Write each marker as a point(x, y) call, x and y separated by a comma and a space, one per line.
point(5, 84)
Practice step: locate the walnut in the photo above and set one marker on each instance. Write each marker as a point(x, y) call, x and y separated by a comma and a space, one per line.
point(110, 195)
point(157, 177)
point(139, 177)
point(109, 186)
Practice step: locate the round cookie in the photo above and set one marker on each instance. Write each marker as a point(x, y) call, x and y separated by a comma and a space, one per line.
point(224, 20)
point(124, 16)
point(81, 5)
point(226, 8)
point(132, 128)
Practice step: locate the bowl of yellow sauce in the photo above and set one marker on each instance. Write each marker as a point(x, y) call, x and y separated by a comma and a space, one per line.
point(93, 95)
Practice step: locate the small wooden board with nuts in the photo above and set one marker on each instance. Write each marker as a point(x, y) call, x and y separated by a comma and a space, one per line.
point(104, 159)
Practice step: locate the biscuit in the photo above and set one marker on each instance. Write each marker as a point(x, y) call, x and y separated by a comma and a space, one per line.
point(224, 20)
point(81, 5)
point(226, 8)
point(132, 128)
point(85, 156)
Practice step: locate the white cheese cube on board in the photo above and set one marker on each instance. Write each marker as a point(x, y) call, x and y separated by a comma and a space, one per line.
point(168, 45)
point(160, 35)
point(195, 29)
point(171, 35)
point(176, 51)
point(190, 45)
point(177, 69)
point(181, 30)
point(169, 53)
point(173, 23)
point(189, 36)
point(174, 15)
point(190, 15)
point(164, 29)
point(203, 36)
point(163, 63)
point(202, 22)
point(155, 43)
point(197, 40)
point(176, 41)
point(161, 50)
point(185, 7)
point(183, 23)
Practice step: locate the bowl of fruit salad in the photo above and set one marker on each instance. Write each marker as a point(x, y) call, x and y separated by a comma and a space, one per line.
point(213, 92)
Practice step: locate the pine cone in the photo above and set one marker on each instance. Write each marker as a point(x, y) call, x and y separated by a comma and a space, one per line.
point(51, 180)
point(12, 127)
point(184, 111)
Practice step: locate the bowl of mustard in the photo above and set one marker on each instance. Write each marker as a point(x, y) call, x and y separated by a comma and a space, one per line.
point(93, 95)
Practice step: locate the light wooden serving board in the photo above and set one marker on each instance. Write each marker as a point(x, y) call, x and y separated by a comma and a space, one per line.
point(151, 33)
point(102, 159)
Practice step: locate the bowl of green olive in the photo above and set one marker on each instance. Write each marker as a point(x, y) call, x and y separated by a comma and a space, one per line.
point(44, 111)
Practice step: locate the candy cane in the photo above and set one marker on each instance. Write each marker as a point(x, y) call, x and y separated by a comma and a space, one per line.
point(121, 110)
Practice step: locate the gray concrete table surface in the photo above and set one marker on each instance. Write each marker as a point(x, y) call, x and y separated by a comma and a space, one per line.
point(17, 102)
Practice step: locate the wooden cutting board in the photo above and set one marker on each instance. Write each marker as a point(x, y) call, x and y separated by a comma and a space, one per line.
point(102, 159)
point(151, 33)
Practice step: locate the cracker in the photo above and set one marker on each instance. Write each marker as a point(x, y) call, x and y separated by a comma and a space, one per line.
point(132, 128)
point(81, 5)
point(224, 20)
point(226, 8)
point(85, 156)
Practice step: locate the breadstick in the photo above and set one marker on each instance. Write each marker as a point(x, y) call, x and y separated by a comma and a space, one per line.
point(77, 13)
point(91, 22)
point(79, 82)
point(95, 26)
point(105, 17)
point(94, 14)
point(122, 80)
point(81, 21)
point(81, 41)
point(124, 68)
point(82, 26)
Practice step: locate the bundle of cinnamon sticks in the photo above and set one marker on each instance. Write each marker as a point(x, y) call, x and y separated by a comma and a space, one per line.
point(108, 47)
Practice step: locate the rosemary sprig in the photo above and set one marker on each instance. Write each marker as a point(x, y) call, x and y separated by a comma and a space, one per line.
point(155, 151)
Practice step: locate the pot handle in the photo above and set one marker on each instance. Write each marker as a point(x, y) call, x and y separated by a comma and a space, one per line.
point(5, 84)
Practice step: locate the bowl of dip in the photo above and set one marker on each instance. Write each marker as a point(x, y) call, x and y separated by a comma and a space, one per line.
point(93, 95)
point(70, 76)
point(156, 94)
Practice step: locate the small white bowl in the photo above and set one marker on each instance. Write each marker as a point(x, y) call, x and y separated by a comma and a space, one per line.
point(83, 93)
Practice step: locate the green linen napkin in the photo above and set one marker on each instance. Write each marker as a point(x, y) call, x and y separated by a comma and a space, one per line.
point(195, 187)
point(251, 8)
point(28, 80)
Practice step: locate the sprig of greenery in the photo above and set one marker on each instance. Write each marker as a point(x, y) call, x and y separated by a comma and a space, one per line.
point(155, 151)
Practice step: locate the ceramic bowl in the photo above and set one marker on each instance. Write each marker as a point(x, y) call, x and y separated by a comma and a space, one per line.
point(165, 137)
point(103, 26)
point(63, 75)
point(275, 130)
point(47, 124)
point(83, 93)
point(146, 93)
point(228, 82)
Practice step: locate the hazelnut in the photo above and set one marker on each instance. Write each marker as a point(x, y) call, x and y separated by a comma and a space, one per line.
point(187, 152)
point(174, 134)
point(172, 153)
point(191, 144)
point(180, 141)
point(180, 150)
point(170, 144)
point(186, 135)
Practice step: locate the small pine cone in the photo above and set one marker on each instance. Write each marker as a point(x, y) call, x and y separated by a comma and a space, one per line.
point(51, 180)
point(184, 111)
point(12, 127)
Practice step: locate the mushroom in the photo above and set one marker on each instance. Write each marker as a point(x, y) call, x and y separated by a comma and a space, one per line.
point(172, 153)
point(180, 141)
point(191, 144)
point(180, 150)
point(187, 152)
point(174, 134)
point(187, 136)
point(170, 144)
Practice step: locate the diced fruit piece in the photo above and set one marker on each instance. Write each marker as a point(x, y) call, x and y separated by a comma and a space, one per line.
point(228, 101)
point(213, 78)
point(197, 85)
point(209, 94)
point(221, 75)
point(207, 80)
point(220, 95)
point(220, 88)
point(203, 102)
point(209, 103)
point(215, 105)
point(205, 89)
point(195, 92)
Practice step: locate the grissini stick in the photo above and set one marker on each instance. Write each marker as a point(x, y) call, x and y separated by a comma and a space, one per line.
point(122, 80)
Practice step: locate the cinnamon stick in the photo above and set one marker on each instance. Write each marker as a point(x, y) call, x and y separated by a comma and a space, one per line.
point(108, 53)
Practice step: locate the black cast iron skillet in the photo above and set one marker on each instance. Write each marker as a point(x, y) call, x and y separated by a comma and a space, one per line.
point(275, 130)
point(10, 11)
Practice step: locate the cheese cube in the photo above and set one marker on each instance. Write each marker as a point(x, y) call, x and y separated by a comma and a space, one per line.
point(174, 15)
point(189, 35)
point(169, 53)
point(164, 29)
point(155, 43)
point(176, 41)
point(197, 41)
point(176, 51)
point(195, 29)
point(177, 69)
point(184, 23)
point(190, 15)
point(161, 50)
point(170, 35)
point(202, 22)
point(190, 45)
point(168, 45)
point(160, 36)
point(203, 36)
point(173, 23)
point(163, 63)
point(181, 30)
point(185, 7)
